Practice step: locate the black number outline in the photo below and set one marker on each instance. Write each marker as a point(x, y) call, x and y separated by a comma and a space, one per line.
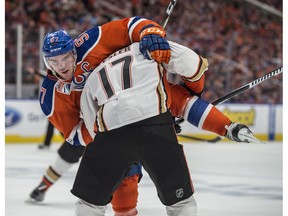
point(126, 75)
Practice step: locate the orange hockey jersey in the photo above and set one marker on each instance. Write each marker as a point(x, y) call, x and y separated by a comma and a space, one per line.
point(60, 101)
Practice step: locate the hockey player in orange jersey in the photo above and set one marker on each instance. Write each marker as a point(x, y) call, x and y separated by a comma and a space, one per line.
point(62, 103)
point(69, 63)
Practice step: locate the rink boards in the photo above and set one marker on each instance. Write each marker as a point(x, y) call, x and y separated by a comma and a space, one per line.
point(25, 122)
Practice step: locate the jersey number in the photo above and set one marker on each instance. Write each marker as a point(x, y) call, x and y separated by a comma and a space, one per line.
point(126, 80)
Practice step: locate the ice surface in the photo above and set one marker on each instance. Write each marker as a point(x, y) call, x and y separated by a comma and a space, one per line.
point(229, 179)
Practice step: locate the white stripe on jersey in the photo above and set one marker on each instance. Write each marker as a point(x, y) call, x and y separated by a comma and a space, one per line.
point(204, 116)
point(133, 26)
point(188, 106)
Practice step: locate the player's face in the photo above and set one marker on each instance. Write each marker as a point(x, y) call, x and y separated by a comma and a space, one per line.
point(63, 65)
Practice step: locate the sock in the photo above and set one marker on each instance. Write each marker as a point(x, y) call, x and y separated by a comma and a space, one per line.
point(53, 173)
point(49, 178)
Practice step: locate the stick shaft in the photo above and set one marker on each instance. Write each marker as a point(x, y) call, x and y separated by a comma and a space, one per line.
point(247, 86)
point(233, 94)
point(169, 11)
point(213, 140)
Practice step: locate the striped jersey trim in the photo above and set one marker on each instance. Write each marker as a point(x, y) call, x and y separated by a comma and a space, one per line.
point(202, 67)
point(100, 124)
point(161, 91)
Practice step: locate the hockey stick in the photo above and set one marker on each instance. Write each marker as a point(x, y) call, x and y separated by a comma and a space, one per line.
point(214, 140)
point(231, 95)
point(247, 86)
point(169, 11)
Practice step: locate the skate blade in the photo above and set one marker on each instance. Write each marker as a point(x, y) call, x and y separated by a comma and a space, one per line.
point(33, 201)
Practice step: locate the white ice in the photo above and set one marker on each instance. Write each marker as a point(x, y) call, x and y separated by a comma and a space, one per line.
point(229, 179)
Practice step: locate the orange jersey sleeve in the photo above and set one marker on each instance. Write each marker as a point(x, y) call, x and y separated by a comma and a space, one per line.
point(180, 97)
point(125, 30)
point(196, 86)
point(96, 44)
point(66, 119)
point(197, 111)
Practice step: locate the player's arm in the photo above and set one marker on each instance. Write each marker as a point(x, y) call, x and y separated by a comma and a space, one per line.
point(196, 111)
point(136, 29)
point(89, 108)
point(189, 65)
point(67, 120)
point(197, 81)
point(63, 114)
point(204, 115)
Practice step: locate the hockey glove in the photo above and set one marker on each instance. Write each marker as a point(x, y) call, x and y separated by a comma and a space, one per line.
point(241, 133)
point(153, 45)
point(177, 125)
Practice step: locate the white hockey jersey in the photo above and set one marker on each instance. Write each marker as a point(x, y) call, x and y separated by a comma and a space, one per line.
point(126, 88)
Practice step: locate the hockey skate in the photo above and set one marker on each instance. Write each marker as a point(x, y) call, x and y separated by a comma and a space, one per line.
point(241, 133)
point(38, 194)
point(43, 146)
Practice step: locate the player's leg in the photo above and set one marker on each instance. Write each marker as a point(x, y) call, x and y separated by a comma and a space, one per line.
point(186, 207)
point(101, 170)
point(88, 209)
point(165, 162)
point(125, 197)
point(48, 137)
point(67, 156)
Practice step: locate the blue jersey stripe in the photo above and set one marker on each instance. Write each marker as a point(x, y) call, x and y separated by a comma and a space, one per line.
point(135, 169)
point(48, 90)
point(93, 34)
point(76, 141)
point(196, 111)
point(135, 19)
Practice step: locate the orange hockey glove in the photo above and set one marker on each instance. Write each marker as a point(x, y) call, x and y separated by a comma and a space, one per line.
point(153, 45)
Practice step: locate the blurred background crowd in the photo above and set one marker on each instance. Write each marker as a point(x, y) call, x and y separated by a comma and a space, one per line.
point(242, 41)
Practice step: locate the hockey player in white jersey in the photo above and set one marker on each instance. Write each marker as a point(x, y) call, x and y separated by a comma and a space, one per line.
point(125, 102)
point(125, 74)
point(125, 105)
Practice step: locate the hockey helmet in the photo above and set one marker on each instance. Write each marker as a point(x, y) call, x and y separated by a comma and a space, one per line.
point(57, 43)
